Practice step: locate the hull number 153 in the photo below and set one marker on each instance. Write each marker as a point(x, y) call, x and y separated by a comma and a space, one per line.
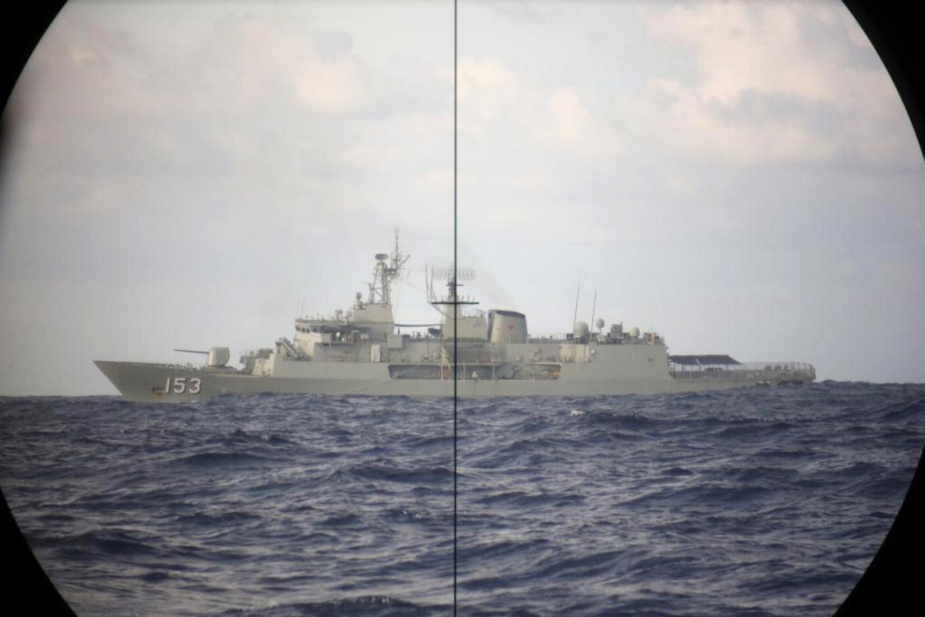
point(182, 385)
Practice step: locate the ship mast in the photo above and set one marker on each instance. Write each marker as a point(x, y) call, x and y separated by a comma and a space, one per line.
point(453, 275)
point(452, 307)
point(388, 270)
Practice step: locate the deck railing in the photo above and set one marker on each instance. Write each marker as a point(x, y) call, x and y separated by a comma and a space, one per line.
point(755, 371)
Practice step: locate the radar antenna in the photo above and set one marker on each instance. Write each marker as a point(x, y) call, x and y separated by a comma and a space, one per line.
point(388, 270)
point(453, 277)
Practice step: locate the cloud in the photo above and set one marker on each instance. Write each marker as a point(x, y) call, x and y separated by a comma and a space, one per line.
point(764, 89)
point(253, 60)
point(581, 123)
point(89, 66)
point(485, 89)
point(569, 117)
point(247, 107)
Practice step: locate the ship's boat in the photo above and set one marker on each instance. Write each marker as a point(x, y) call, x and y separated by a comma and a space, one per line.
point(467, 352)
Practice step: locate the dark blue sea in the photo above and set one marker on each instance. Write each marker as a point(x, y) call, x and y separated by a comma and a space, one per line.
point(755, 502)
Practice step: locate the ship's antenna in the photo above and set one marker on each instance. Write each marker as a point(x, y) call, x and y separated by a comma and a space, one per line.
point(452, 275)
point(593, 308)
point(577, 295)
point(428, 283)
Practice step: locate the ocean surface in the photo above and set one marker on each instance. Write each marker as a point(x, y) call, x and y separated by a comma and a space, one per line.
point(764, 501)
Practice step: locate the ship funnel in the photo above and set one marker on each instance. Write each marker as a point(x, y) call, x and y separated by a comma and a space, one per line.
point(507, 326)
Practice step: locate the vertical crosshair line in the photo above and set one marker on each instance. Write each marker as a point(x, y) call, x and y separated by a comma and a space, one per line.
point(455, 305)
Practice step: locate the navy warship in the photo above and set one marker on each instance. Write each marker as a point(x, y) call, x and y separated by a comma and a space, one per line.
point(467, 352)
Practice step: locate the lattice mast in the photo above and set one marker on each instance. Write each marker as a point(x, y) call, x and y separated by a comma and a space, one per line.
point(388, 270)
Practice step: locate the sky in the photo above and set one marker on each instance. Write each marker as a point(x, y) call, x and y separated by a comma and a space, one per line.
point(739, 177)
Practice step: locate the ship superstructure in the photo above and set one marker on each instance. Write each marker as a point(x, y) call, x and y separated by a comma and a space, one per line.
point(469, 353)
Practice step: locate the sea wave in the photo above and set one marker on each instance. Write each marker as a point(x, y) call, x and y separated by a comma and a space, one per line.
point(764, 501)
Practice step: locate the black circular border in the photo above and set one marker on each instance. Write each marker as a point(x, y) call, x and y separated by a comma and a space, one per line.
point(890, 585)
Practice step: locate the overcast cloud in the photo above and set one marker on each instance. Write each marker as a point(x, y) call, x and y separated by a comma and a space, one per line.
point(740, 177)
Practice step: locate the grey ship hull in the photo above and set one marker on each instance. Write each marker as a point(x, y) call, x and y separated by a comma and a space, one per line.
point(176, 383)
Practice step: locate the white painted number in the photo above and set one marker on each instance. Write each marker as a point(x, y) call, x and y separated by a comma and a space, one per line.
point(182, 385)
point(179, 385)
